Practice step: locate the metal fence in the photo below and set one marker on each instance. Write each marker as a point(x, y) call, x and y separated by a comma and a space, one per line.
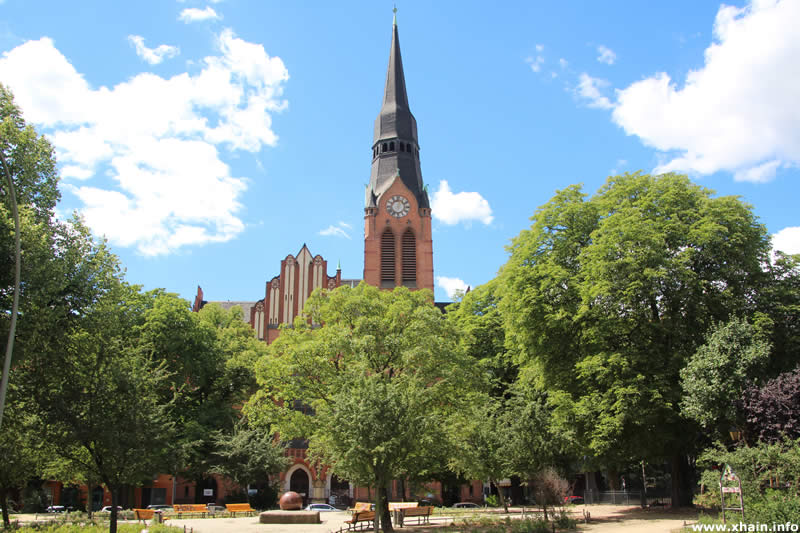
point(619, 497)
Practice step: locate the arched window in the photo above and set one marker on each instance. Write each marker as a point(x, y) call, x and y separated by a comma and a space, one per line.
point(408, 147)
point(391, 146)
point(409, 259)
point(387, 259)
point(384, 147)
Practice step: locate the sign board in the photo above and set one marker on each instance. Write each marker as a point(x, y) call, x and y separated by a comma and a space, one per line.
point(208, 492)
point(734, 490)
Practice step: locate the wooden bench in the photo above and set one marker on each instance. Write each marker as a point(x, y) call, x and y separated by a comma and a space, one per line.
point(360, 517)
point(234, 508)
point(361, 506)
point(190, 509)
point(145, 515)
point(422, 513)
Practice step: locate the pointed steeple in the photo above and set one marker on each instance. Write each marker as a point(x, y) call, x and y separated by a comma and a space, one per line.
point(395, 148)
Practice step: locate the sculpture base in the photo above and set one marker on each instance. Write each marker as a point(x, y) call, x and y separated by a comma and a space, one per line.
point(289, 517)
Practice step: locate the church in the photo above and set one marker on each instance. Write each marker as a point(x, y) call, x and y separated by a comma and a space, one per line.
point(398, 251)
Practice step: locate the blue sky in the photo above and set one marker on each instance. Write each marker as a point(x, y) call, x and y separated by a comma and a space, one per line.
point(208, 140)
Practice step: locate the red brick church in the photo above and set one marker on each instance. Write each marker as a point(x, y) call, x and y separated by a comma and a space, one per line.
point(398, 251)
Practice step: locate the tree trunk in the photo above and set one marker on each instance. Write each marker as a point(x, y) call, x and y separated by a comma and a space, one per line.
point(613, 478)
point(502, 498)
point(681, 491)
point(386, 518)
point(4, 502)
point(89, 502)
point(112, 528)
point(378, 506)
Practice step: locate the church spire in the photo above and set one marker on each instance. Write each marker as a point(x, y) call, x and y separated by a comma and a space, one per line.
point(395, 149)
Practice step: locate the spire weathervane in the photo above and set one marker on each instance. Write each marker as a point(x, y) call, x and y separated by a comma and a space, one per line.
point(394, 19)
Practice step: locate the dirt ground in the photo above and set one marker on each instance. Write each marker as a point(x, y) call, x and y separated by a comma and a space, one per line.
point(604, 519)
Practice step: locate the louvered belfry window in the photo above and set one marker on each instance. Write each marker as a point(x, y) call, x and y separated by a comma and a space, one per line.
point(409, 259)
point(387, 259)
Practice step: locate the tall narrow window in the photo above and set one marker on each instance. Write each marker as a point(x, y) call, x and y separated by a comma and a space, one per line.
point(409, 259)
point(387, 259)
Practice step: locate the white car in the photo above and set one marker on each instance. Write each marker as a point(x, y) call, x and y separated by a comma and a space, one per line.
point(321, 507)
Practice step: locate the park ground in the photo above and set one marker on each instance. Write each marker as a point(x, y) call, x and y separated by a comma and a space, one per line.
point(604, 519)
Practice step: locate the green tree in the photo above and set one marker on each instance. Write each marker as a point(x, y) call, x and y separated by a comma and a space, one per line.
point(248, 455)
point(371, 388)
point(716, 375)
point(482, 443)
point(605, 299)
point(478, 319)
point(22, 450)
point(100, 396)
point(210, 356)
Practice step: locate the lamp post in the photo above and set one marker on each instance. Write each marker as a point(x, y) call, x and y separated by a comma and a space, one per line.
point(15, 306)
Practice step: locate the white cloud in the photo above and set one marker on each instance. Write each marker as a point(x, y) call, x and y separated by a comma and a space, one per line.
point(193, 14)
point(589, 89)
point(452, 208)
point(157, 138)
point(452, 286)
point(787, 241)
point(606, 55)
point(156, 55)
point(739, 112)
point(535, 63)
point(339, 230)
point(563, 62)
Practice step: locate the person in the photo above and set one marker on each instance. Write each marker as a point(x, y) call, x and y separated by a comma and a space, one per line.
point(623, 483)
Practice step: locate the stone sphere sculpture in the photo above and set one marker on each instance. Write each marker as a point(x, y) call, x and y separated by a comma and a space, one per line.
point(291, 501)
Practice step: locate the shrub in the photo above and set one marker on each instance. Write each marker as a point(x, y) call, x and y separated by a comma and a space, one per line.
point(530, 525)
point(774, 506)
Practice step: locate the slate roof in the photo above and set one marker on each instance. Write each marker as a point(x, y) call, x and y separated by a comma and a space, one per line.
point(396, 123)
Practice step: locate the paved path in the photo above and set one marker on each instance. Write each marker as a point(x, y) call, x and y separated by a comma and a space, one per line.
point(330, 522)
point(604, 519)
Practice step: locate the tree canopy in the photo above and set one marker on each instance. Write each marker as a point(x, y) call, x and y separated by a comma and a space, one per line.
point(607, 297)
point(369, 378)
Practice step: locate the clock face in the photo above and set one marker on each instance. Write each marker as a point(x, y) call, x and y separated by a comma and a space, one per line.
point(397, 206)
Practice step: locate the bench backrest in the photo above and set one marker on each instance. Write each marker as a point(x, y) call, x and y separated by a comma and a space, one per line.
point(402, 505)
point(362, 506)
point(238, 507)
point(418, 511)
point(190, 507)
point(363, 516)
point(143, 514)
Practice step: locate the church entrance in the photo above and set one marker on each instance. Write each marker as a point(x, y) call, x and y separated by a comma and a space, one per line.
point(300, 483)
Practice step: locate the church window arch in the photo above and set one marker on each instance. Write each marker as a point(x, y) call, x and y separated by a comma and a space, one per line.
point(387, 259)
point(384, 147)
point(391, 146)
point(409, 263)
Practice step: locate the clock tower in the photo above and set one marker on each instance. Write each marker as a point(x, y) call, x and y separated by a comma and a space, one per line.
point(398, 247)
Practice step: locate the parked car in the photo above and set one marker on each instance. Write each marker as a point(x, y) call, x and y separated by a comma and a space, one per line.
point(56, 509)
point(160, 508)
point(573, 499)
point(466, 505)
point(107, 509)
point(322, 507)
point(215, 508)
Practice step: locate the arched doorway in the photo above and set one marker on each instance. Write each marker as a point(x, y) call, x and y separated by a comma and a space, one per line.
point(300, 483)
